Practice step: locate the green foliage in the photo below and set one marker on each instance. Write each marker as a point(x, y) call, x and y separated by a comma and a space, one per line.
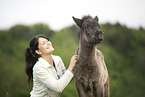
point(23, 32)
point(41, 29)
point(127, 48)
point(20, 32)
point(65, 44)
point(123, 49)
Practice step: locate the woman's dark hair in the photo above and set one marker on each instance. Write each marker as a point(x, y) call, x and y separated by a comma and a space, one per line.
point(31, 57)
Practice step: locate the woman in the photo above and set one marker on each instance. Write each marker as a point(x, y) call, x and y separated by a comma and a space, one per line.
point(46, 70)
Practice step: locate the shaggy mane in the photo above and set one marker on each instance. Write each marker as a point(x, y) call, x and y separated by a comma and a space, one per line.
point(86, 17)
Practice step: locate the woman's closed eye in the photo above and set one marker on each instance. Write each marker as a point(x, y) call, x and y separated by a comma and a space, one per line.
point(44, 42)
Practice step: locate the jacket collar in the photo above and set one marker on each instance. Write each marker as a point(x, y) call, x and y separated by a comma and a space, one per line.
point(44, 62)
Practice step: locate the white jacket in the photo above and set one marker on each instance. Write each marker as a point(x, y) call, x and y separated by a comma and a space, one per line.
point(46, 82)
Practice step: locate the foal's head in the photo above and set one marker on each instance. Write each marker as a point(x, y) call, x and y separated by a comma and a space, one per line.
point(90, 29)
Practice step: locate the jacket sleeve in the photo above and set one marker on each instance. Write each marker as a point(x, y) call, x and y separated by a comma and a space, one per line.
point(51, 82)
point(62, 67)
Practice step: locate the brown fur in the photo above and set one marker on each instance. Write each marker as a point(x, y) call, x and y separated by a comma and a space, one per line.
point(90, 72)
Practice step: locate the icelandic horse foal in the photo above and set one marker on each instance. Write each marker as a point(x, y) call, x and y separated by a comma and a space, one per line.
point(90, 72)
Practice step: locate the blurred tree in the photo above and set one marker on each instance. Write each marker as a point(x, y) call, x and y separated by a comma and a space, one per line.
point(109, 33)
point(41, 29)
point(20, 32)
point(5, 42)
point(27, 32)
point(123, 39)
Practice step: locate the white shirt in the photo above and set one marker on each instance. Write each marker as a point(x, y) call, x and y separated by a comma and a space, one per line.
point(46, 82)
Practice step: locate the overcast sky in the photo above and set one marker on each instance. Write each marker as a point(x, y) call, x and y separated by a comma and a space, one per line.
point(58, 13)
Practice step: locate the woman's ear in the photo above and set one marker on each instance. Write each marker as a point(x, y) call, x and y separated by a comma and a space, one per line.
point(38, 52)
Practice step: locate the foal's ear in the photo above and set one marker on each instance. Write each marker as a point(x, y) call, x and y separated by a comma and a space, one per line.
point(78, 21)
point(96, 18)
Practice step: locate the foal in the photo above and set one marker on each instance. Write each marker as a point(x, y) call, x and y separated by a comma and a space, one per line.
point(90, 72)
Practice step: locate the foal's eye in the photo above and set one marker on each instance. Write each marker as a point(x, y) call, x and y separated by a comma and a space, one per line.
point(86, 27)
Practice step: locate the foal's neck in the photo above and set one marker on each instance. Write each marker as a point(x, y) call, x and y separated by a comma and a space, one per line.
point(87, 51)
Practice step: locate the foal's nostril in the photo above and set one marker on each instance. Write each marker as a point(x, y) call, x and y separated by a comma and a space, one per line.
point(101, 32)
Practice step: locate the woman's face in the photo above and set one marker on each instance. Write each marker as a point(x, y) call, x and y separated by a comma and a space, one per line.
point(45, 47)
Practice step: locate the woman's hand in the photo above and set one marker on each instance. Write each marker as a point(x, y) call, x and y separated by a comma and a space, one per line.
point(72, 62)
